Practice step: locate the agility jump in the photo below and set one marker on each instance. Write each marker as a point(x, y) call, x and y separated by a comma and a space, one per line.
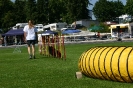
point(53, 46)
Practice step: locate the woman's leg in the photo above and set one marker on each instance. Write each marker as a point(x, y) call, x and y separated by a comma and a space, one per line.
point(29, 49)
point(33, 50)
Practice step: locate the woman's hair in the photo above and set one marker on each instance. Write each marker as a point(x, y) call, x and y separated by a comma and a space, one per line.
point(31, 21)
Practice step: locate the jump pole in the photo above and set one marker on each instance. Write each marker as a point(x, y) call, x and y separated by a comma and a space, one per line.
point(64, 51)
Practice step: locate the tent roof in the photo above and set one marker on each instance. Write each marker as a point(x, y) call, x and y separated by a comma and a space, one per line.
point(14, 32)
point(121, 26)
point(70, 31)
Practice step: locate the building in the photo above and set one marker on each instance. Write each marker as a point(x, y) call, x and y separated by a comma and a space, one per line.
point(85, 22)
point(125, 29)
point(124, 18)
point(124, 26)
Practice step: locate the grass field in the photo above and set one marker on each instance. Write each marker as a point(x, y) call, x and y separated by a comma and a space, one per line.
point(17, 71)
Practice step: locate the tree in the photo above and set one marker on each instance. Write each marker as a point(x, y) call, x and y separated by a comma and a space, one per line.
point(47, 11)
point(20, 15)
point(99, 10)
point(30, 10)
point(6, 9)
point(129, 7)
point(118, 8)
point(107, 10)
point(55, 9)
point(76, 10)
point(8, 21)
point(42, 11)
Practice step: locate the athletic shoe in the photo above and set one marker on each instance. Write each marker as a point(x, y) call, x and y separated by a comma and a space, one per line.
point(34, 57)
point(30, 57)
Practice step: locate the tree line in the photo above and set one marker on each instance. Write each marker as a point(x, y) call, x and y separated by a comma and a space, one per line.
point(49, 11)
point(41, 11)
point(105, 10)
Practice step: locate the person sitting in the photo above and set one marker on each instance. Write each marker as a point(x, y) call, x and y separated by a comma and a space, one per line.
point(98, 34)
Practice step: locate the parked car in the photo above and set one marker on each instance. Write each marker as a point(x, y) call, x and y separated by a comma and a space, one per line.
point(39, 27)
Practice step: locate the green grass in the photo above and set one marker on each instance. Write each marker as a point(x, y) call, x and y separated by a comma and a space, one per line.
point(17, 71)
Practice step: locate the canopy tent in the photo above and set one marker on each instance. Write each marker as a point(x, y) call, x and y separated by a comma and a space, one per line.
point(128, 26)
point(120, 25)
point(14, 32)
point(95, 28)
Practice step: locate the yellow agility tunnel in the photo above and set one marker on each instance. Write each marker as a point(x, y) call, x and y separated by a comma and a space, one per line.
point(110, 63)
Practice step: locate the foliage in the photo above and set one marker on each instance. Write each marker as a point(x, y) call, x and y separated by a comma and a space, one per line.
point(84, 29)
point(6, 8)
point(19, 9)
point(30, 10)
point(7, 20)
point(119, 10)
point(50, 11)
point(42, 11)
point(129, 9)
point(17, 71)
point(76, 9)
point(107, 10)
point(54, 8)
point(104, 28)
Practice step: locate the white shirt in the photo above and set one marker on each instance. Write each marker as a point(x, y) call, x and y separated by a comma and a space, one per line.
point(30, 33)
